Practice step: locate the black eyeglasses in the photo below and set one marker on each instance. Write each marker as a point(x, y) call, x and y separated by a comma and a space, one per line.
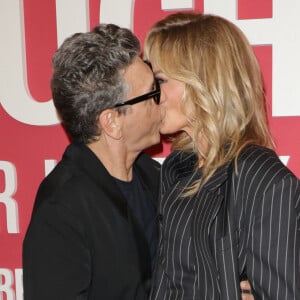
point(153, 94)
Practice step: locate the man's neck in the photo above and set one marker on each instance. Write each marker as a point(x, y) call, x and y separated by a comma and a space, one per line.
point(115, 158)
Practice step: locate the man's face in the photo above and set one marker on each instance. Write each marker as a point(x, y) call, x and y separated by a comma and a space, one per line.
point(141, 122)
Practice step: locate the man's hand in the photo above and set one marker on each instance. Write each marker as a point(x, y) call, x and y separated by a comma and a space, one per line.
point(246, 290)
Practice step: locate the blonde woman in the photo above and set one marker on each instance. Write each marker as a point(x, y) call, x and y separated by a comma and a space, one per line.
point(229, 208)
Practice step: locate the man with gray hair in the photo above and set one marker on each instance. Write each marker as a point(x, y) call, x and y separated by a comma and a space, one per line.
point(92, 234)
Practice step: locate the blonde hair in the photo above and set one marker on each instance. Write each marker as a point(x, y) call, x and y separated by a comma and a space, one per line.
point(223, 83)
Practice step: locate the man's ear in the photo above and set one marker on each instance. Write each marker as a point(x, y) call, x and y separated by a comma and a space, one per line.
point(109, 122)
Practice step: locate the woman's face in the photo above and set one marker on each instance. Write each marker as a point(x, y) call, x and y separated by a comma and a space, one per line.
point(172, 90)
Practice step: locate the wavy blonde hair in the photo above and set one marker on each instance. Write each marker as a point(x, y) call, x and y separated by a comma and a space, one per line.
point(223, 83)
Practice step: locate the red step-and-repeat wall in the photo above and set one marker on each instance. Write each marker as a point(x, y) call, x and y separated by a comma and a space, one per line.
point(32, 140)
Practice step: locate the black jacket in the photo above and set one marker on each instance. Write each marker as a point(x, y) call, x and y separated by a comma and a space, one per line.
point(82, 241)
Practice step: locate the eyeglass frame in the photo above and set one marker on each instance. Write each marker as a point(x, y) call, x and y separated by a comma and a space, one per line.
point(153, 94)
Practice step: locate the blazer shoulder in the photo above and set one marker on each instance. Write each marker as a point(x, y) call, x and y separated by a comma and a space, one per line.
point(61, 186)
point(258, 164)
point(254, 154)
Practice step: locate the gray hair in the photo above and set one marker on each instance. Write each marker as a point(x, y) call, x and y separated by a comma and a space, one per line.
point(87, 77)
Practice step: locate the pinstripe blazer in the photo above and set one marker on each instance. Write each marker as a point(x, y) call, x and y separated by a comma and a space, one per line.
point(244, 223)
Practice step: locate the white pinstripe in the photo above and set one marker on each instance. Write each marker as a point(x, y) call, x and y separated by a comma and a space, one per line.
point(264, 237)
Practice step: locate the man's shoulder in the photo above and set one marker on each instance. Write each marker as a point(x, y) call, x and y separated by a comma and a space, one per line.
point(62, 174)
point(65, 185)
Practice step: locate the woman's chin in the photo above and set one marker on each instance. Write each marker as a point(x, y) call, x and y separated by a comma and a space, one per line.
point(163, 129)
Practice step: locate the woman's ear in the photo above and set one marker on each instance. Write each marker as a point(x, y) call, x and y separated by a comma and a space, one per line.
point(109, 122)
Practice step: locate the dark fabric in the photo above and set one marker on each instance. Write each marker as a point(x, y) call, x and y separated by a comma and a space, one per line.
point(176, 259)
point(142, 209)
point(82, 241)
point(250, 228)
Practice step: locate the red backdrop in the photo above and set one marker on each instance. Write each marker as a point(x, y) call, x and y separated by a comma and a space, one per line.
point(31, 139)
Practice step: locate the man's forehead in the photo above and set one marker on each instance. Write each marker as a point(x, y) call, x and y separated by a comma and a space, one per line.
point(139, 73)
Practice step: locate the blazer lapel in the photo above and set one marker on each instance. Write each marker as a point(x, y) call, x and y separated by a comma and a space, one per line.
point(91, 165)
point(209, 201)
